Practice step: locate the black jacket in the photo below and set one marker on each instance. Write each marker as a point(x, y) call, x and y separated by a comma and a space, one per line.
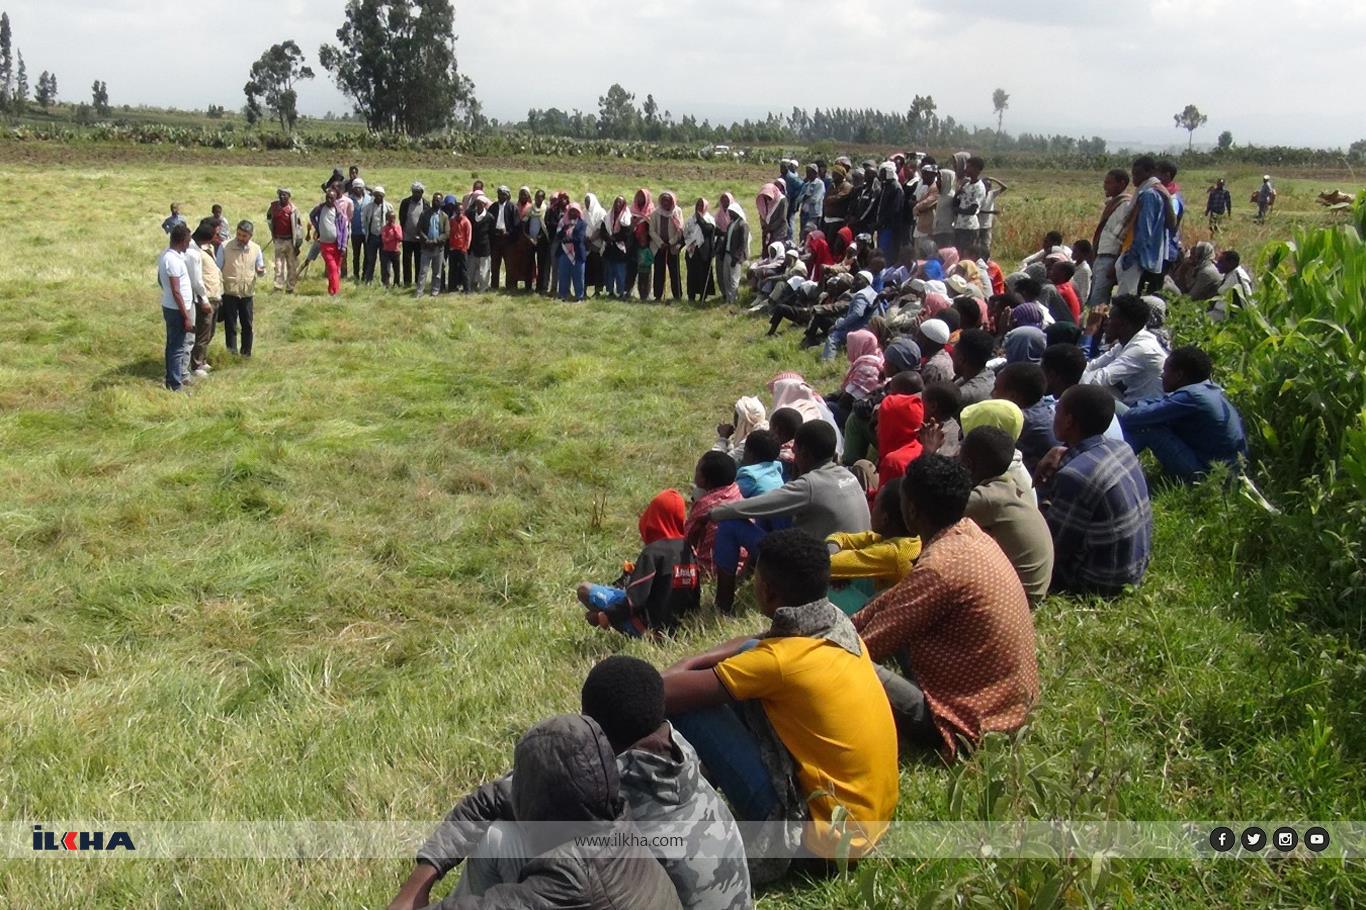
point(481, 237)
point(511, 220)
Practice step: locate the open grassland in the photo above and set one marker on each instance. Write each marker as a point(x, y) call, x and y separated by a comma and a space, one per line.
point(335, 581)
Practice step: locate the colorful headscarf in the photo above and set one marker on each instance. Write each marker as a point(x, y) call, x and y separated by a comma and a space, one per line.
point(663, 518)
point(865, 364)
point(767, 199)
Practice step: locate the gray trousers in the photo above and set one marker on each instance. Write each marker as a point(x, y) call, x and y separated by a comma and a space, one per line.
point(915, 725)
point(432, 260)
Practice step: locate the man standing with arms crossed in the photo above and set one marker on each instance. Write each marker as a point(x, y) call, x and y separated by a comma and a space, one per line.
point(240, 262)
point(177, 307)
point(287, 232)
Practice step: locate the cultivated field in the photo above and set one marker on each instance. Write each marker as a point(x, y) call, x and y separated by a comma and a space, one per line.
point(336, 582)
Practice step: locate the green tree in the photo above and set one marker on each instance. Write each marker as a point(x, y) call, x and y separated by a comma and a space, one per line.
point(1225, 141)
point(21, 87)
point(6, 62)
point(396, 61)
point(272, 80)
point(617, 114)
point(44, 94)
point(1000, 100)
point(921, 118)
point(99, 98)
point(1190, 120)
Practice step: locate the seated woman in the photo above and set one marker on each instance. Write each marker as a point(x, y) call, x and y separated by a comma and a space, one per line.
point(764, 271)
point(864, 565)
point(863, 378)
point(655, 592)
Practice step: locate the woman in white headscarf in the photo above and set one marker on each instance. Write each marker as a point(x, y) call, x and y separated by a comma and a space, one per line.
point(595, 216)
point(749, 417)
point(733, 253)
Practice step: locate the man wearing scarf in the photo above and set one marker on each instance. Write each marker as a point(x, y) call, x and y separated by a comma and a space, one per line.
point(793, 723)
point(666, 241)
point(1108, 240)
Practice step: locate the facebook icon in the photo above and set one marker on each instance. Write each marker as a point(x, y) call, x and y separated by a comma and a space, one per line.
point(1221, 840)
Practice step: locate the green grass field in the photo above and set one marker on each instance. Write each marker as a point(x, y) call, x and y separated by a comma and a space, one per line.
point(336, 582)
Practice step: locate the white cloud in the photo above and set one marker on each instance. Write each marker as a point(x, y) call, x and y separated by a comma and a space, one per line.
point(1278, 71)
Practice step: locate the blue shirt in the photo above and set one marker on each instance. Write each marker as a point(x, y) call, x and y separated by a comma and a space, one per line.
point(1102, 522)
point(757, 479)
point(1149, 250)
point(171, 221)
point(794, 186)
point(1037, 439)
point(357, 210)
point(1200, 415)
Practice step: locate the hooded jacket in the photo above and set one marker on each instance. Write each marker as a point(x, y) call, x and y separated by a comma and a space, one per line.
point(661, 782)
point(898, 434)
point(565, 771)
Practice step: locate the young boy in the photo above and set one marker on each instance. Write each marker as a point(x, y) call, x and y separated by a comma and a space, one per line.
point(175, 218)
point(1005, 511)
point(660, 587)
point(784, 425)
point(713, 485)
point(1060, 273)
point(942, 406)
point(761, 470)
point(862, 565)
point(391, 241)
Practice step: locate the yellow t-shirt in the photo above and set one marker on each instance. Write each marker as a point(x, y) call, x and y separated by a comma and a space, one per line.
point(829, 709)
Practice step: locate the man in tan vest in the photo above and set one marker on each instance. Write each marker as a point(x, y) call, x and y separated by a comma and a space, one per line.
point(241, 262)
point(206, 308)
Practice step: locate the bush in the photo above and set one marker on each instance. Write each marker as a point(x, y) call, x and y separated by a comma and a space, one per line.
point(1294, 362)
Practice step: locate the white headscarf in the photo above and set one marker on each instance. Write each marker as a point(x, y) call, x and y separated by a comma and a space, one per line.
point(749, 416)
point(596, 215)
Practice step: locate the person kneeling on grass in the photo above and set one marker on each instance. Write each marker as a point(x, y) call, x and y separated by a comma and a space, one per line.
point(823, 500)
point(656, 773)
point(862, 565)
point(959, 624)
point(1006, 511)
point(1193, 426)
point(793, 724)
point(655, 592)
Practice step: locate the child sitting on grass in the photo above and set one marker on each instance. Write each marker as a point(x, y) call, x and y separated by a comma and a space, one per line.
point(784, 425)
point(866, 564)
point(761, 468)
point(713, 485)
point(660, 587)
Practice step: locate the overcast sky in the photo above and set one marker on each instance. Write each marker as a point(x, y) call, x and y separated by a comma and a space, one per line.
point(1272, 71)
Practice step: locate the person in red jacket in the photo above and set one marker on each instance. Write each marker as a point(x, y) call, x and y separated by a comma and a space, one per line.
point(898, 434)
point(457, 273)
point(1060, 273)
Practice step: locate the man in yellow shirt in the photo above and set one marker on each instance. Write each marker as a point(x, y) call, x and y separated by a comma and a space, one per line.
point(794, 723)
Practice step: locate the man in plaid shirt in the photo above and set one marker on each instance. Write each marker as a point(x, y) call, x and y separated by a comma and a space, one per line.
point(1095, 498)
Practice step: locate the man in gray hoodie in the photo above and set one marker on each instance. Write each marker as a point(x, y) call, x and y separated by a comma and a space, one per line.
point(825, 499)
point(660, 780)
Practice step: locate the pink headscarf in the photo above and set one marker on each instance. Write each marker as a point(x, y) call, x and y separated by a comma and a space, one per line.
point(865, 362)
point(934, 305)
point(642, 212)
point(948, 255)
point(675, 213)
point(723, 210)
point(768, 198)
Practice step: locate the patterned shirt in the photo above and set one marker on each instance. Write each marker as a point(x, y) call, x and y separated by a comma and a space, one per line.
point(1102, 522)
point(962, 624)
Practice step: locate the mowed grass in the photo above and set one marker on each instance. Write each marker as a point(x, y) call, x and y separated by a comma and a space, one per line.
point(335, 582)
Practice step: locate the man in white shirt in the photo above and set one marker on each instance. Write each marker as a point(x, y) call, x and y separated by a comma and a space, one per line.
point(1132, 368)
point(967, 203)
point(177, 306)
point(986, 218)
point(1109, 237)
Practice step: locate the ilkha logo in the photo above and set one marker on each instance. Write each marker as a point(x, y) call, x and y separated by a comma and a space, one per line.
point(81, 840)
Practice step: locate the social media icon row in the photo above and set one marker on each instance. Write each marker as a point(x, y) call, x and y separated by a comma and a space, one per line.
point(1254, 839)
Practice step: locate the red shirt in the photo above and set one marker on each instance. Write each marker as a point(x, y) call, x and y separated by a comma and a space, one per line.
point(1069, 297)
point(460, 232)
point(282, 222)
point(391, 238)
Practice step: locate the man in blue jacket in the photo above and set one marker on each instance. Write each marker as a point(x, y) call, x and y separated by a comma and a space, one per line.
point(1192, 426)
